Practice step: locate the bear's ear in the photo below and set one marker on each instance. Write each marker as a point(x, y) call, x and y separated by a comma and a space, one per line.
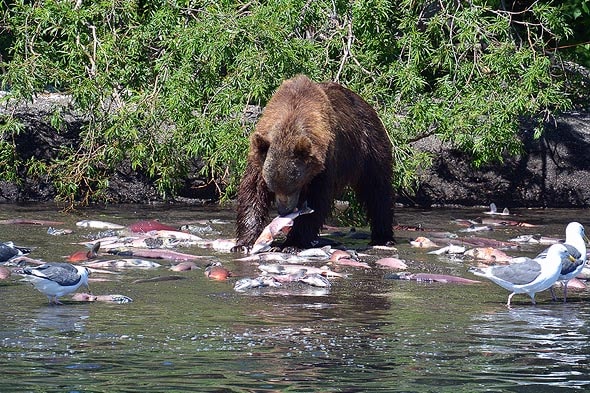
point(259, 144)
point(303, 147)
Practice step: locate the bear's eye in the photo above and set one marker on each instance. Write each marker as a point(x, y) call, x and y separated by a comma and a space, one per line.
point(260, 144)
point(302, 148)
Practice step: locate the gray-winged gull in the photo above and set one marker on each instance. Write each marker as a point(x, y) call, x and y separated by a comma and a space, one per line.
point(575, 241)
point(55, 279)
point(529, 276)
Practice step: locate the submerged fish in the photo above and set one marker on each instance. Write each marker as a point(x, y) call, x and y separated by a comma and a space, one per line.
point(87, 297)
point(316, 280)
point(293, 269)
point(391, 263)
point(280, 225)
point(488, 254)
point(150, 225)
point(124, 264)
point(249, 283)
point(430, 277)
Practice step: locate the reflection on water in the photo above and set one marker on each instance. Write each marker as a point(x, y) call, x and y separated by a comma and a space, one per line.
point(535, 345)
point(363, 334)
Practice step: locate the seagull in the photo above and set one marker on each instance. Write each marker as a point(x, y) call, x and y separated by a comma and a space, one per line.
point(575, 241)
point(8, 251)
point(530, 275)
point(56, 279)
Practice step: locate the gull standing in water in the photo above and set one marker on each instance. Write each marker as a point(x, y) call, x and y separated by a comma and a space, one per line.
point(575, 241)
point(56, 279)
point(529, 276)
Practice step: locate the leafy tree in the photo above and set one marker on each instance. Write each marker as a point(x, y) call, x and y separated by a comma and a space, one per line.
point(162, 84)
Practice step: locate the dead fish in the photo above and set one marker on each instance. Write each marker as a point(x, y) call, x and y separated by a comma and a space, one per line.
point(423, 242)
point(58, 232)
point(450, 249)
point(392, 263)
point(315, 253)
point(215, 271)
point(30, 222)
point(286, 278)
point(249, 283)
point(200, 229)
point(340, 254)
point(488, 254)
point(316, 280)
point(281, 257)
point(85, 255)
point(156, 254)
point(494, 211)
point(430, 277)
point(484, 242)
point(86, 297)
point(585, 273)
point(535, 239)
point(124, 264)
point(184, 266)
point(290, 269)
point(174, 235)
point(500, 222)
point(149, 225)
point(95, 224)
point(218, 244)
point(477, 228)
point(352, 262)
point(574, 283)
point(465, 222)
point(279, 225)
point(4, 273)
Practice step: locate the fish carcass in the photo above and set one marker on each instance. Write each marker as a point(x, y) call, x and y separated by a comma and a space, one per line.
point(280, 225)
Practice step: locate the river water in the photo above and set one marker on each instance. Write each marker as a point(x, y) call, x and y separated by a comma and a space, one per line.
point(366, 333)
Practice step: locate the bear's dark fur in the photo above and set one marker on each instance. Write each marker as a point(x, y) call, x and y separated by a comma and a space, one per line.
point(312, 141)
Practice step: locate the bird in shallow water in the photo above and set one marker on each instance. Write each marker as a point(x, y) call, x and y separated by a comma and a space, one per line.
point(56, 279)
point(575, 241)
point(8, 251)
point(530, 275)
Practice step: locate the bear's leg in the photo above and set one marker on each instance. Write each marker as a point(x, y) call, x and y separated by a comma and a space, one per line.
point(375, 193)
point(253, 201)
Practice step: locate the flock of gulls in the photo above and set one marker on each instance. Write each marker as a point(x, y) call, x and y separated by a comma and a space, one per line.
point(142, 244)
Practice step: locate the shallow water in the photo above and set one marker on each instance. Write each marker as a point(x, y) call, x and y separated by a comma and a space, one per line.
point(364, 334)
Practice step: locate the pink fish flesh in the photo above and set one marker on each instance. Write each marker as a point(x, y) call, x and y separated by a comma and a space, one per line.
point(280, 225)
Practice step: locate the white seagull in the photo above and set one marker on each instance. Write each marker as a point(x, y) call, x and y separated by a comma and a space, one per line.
point(529, 276)
point(56, 279)
point(575, 241)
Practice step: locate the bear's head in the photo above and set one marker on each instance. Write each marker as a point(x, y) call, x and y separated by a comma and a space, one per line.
point(292, 140)
point(287, 168)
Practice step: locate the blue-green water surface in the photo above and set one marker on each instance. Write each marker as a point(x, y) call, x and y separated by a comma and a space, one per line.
point(364, 334)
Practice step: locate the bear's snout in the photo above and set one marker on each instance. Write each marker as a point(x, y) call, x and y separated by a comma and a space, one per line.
point(287, 204)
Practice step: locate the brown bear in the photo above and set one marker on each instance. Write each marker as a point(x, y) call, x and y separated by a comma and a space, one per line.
point(313, 140)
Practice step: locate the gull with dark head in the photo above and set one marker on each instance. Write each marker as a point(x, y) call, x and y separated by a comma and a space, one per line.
point(56, 279)
point(529, 275)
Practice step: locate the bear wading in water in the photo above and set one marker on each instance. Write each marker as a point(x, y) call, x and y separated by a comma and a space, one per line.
point(313, 140)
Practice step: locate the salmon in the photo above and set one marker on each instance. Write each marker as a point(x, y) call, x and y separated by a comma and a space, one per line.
point(280, 225)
